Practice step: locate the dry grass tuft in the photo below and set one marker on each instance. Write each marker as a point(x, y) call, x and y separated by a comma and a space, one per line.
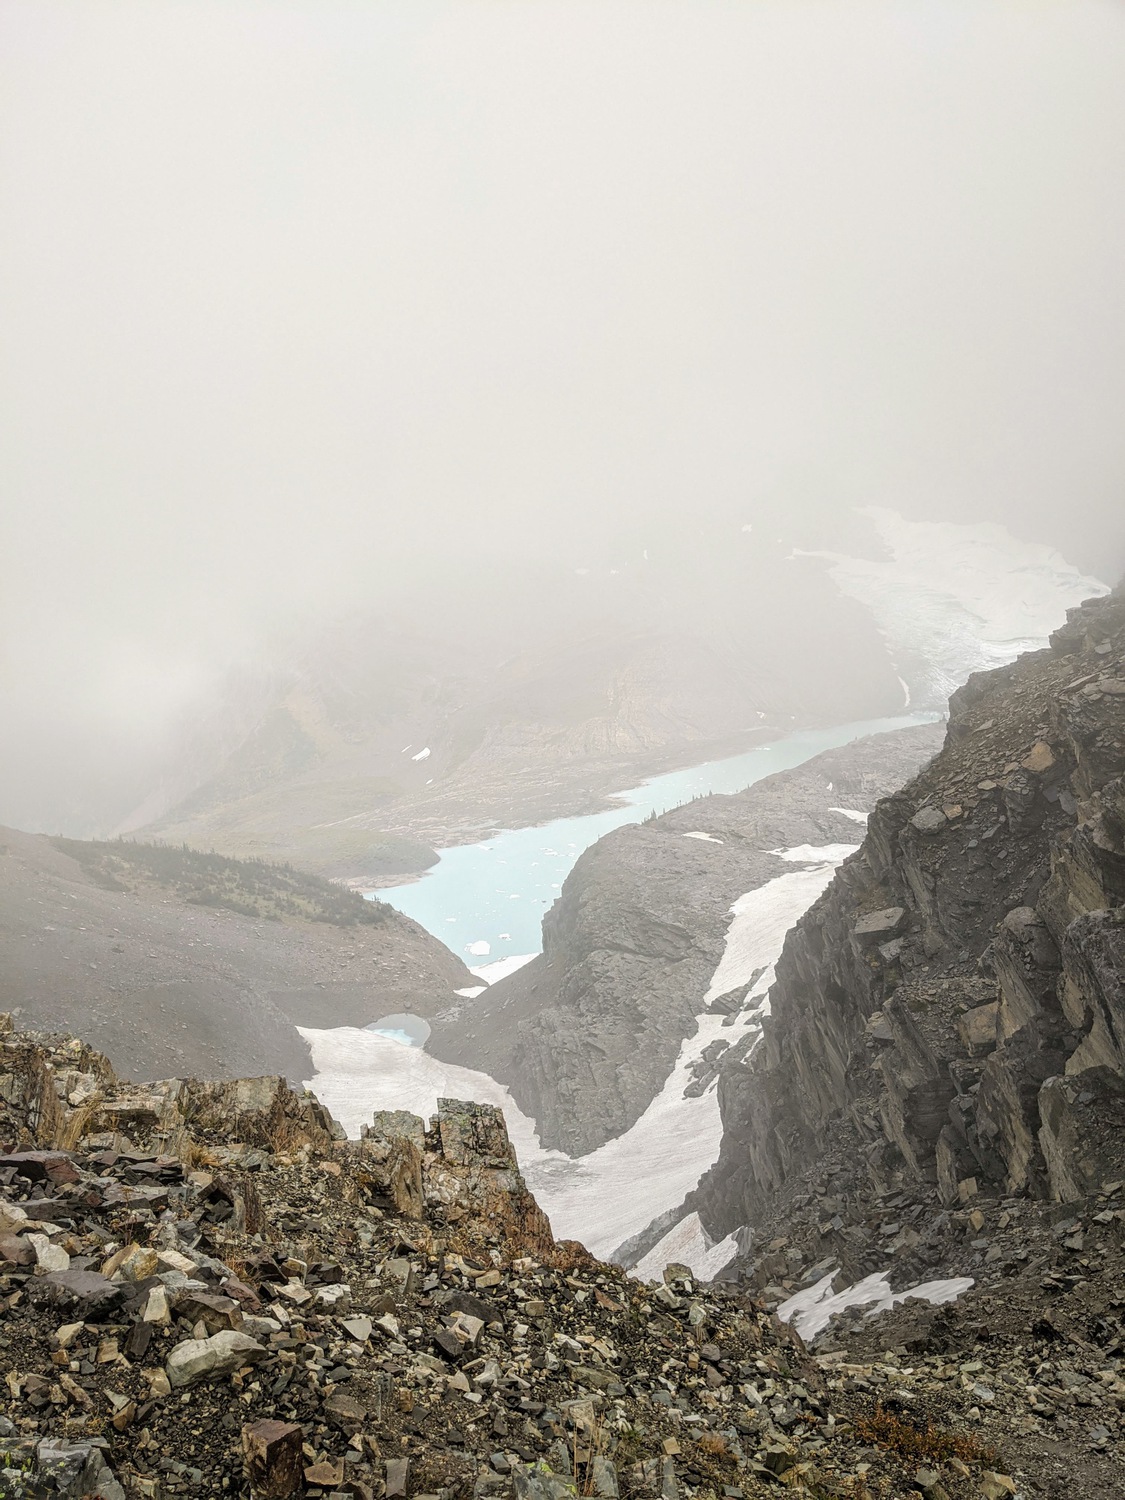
point(713, 1443)
point(897, 1434)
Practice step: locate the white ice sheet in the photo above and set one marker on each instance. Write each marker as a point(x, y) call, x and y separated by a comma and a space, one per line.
point(951, 599)
point(688, 1244)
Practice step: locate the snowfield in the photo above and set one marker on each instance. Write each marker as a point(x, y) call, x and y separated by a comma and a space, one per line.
point(810, 1309)
point(687, 1244)
point(502, 967)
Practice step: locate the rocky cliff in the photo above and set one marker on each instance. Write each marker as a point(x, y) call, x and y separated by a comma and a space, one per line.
point(948, 1021)
point(586, 1034)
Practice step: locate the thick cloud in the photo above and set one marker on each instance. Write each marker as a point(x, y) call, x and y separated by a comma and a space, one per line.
point(316, 305)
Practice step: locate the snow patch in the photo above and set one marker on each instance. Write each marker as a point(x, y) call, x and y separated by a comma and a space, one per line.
point(611, 1194)
point(809, 1310)
point(490, 973)
point(850, 812)
point(763, 917)
point(815, 854)
point(708, 838)
point(422, 754)
point(689, 1244)
point(472, 992)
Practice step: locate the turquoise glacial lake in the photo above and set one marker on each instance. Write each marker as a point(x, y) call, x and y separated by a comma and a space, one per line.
point(486, 901)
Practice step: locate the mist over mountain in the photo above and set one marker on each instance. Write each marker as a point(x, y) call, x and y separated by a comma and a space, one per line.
point(377, 742)
point(409, 313)
point(354, 740)
point(562, 749)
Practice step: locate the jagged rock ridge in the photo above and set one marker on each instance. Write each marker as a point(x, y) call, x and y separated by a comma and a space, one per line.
point(586, 1034)
point(950, 1016)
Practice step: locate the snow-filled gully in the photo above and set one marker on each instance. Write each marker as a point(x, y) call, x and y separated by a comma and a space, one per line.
point(611, 1194)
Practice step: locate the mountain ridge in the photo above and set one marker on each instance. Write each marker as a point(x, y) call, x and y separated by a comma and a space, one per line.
point(946, 1020)
point(585, 1035)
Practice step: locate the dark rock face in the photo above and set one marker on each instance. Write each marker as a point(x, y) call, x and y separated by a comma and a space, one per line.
point(586, 1034)
point(985, 1044)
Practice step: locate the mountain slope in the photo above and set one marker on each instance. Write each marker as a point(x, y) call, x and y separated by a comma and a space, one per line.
point(947, 1020)
point(586, 1034)
point(208, 1291)
point(174, 962)
point(379, 743)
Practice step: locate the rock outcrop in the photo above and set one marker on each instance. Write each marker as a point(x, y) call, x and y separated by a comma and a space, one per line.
point(214, 1294)
point(949, 1018)
point(586, 1034)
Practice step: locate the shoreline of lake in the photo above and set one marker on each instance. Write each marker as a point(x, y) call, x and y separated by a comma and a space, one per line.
point(495, 891)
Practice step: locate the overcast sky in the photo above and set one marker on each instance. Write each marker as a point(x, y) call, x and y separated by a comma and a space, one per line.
point(300, 301)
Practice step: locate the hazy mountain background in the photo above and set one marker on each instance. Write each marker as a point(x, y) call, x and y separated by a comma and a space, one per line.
point(356, 356)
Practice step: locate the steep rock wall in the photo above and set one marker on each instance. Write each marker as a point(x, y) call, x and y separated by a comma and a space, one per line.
point(952, 1011)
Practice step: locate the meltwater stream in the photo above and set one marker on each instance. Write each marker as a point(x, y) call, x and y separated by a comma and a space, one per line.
point(486, 901)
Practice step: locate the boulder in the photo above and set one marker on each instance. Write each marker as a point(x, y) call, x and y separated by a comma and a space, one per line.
point(41, 1166)
point(396, 1477)
point(48, 1256)
point(929, 820)
point(539, 1482)
point(76, 1469)
point(85, 1292)
point(878, 926)
point(207, 1359)
point(977, 1029)
point(273, 1459)
point(15, 1251)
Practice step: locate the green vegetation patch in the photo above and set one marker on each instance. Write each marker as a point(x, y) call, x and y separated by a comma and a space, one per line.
point(251, 887)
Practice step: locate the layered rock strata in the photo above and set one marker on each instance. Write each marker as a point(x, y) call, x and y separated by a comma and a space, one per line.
point(950, 1016)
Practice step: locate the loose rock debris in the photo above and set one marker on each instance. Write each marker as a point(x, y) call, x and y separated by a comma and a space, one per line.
point(237, 1302)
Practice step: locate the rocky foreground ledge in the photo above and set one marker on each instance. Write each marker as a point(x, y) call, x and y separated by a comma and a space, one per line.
point(205, 1290)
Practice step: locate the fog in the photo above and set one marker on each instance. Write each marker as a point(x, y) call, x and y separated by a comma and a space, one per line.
point(310, 308)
